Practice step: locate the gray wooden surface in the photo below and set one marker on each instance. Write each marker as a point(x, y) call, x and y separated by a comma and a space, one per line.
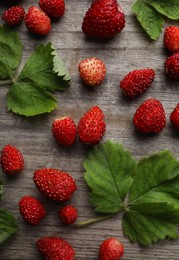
point(127, 51)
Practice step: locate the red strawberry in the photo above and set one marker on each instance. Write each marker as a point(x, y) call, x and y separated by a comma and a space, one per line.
point(103, 19)
point(172, 66)
point(12, 161)
point(32, 210)
point(68, 214)
point(150, 117)
point(92, 71)
point(64, 131)
point(174, 117)
point(111, 249)
point(53, 8)
point(55, 248)
point(171, 38)
point(92, 126)
point(55, 184)
point(137, 81)
point(14, 15)
point(37, 21)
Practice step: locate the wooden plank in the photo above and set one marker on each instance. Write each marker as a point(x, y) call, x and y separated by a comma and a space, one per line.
point(127, 51)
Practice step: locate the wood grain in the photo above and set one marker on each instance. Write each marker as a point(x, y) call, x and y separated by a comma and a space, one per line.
point(129, 50)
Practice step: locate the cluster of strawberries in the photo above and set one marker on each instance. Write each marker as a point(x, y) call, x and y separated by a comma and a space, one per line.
point(110, 20)
point(90, 129)
point(55, 184)
point(171, 42)
point(103, 20)
point(37, 20)
point(59, 186)
point(150, 116)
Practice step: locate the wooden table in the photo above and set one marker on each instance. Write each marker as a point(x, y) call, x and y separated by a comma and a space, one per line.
point(127, 51)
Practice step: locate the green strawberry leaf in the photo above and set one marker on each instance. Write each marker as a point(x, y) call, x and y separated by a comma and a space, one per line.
point(29, 99)
point(153, 206)
point(43, 74)
point(152, 167)
point(109, 168)
point(8, 225)
point(147, 229)
point(60, 69)
point(166, 7)
point(149, 18)
point(147, 192)
point(46, 69)
point(10, 52)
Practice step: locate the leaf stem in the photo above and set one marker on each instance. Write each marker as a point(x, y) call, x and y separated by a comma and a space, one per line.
point(5, 82)
point(93, 220)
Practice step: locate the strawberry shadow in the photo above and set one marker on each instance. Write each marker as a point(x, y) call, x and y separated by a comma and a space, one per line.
point(89, 88)
point(138, 100)
point(142, 136)
point(36, 36)
point(8, 3)
point(173, 83)
point(174, 132)
point(100, 41)
point(9, 178)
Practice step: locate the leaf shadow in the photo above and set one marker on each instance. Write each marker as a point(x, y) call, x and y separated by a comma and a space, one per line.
point(140, 30)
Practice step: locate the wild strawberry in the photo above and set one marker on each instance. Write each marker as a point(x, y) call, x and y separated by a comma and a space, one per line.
point(137, 81)
point(92, 126)
point(13, 15)
point(171, 38)
point(68, 214)
point(103, 19)
point(174, 117)
point(64, 131)
point(92, 71)
point(111, 249)
point(12, 161)
point(55, 184)
point(53, 8)
point(172, 66)
point(150, 117)
point(55, 248)
point(37, 21)
point(32, 210)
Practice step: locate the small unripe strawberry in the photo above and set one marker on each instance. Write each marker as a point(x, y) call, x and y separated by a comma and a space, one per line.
point(174, 117)
point(92, 71)
point(92, 126)
point(64, 131)
point(137, 81)
point(55, 184)
point(68, 214)
point(171, 38)
point(32, 210)
point(172, 66)
point(111, 249)
point(150, 117)
point(55, 248)
point(37, 21)
point(14, 15)
point(12, 161)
